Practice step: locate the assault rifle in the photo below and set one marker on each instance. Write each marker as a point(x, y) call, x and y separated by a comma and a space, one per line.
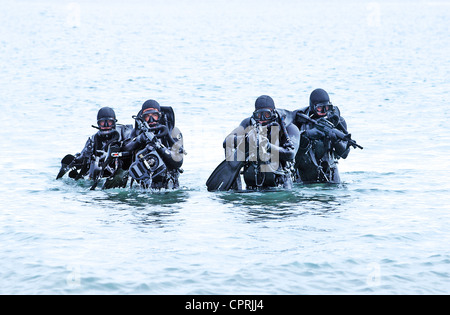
point(148, 163)
point(100, 167)
point(328, 128)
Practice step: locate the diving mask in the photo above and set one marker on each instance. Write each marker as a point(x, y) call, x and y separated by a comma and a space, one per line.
point(264, 114)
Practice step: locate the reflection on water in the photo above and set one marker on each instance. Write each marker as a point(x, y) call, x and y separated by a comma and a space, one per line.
point(134, 197)
point(155, 208)
point(141, 199)
point(210, 65)
point(140, 206)
point(318, 199)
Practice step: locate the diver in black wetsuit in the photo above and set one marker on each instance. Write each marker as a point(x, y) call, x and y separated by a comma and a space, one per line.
point(319, 151)
point(156, 147)
point(96, 160)
point(266, 145)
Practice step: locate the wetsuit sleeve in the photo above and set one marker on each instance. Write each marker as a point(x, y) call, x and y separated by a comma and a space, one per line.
point(87, 151)
point(237, 135)
point(341, 147)
point(287, 151)
point(135, 140)
point(132, 144)
point(172, 155)
point(342, 123)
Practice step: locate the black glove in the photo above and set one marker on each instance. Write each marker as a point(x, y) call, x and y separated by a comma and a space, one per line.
point(78, 158)
point(333, 117)
point(142, 138)
point(314, 134)
point(333, 137)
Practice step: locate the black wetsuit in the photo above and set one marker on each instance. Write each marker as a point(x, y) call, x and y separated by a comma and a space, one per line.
point(95, 151)
point(168, 145)
point(272, 169)
point(316, 160)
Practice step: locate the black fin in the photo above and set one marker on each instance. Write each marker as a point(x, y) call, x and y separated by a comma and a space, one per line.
point(224, 176)
point(65, 162)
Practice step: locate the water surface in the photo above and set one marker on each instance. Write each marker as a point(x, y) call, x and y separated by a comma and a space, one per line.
point(384, 230)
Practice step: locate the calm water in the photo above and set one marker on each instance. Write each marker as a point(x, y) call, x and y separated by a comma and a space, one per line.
point(385, 230)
